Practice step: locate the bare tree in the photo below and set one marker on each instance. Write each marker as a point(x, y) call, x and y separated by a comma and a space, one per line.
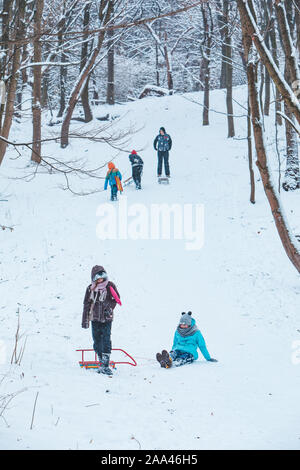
point(206, 53)
point(291, 75)
point(288, 241)
point(110, 90)
point(88, 116)
point(288, 95)
point(104, 16)
point(37, 83)
point(14, 35)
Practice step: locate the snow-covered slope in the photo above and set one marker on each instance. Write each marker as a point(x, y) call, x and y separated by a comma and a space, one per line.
point(241, 287)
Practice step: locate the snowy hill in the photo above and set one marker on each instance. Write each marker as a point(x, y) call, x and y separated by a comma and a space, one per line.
point(241, 287)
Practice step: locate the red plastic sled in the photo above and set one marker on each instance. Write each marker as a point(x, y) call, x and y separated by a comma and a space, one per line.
point(95, 364)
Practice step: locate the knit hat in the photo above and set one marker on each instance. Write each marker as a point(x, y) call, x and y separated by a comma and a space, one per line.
point(186, 318)
point(133, 152)
point(111, 165)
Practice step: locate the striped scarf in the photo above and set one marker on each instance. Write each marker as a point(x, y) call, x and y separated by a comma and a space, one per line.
point(184, 332)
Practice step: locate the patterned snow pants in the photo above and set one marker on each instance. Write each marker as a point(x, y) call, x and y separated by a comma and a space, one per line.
point(180, 358)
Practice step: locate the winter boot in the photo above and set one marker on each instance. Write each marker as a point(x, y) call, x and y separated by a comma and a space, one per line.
point(164, 359)
point(104, 368)
point(167, 359)
point(100, 362)
point(159, 359)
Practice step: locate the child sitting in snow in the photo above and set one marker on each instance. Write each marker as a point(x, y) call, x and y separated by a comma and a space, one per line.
point(187, 339)
point(113, 177)
point(137, 168)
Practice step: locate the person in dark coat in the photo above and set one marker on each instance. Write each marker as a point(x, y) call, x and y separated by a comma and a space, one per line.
point(137, 168)
point(163, 144)
point(98, 307)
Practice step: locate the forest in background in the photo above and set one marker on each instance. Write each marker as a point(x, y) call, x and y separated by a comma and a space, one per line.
point(65, 58)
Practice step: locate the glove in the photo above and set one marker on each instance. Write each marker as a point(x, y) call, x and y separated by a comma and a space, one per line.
point(213, 360)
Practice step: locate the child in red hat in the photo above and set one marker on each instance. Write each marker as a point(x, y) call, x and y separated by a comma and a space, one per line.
point(137, 168)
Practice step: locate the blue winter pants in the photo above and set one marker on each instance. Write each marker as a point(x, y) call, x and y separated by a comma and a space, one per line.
point(101, 333)
point(163, 157)
point(180, 358)
point(114, 192)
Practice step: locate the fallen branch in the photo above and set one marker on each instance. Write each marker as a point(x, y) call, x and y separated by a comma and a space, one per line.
point(289, 120)
point(4, 227)
point(37, 394)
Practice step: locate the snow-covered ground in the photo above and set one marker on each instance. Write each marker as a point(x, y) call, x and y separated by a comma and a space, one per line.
point(241, 287)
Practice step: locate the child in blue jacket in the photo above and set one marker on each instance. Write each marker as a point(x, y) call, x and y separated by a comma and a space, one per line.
point(113, 177)
point(187, 339)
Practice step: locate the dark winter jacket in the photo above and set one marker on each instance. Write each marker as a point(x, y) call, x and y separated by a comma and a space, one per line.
point(102, 311)
point(162, 143)
point(135, 160)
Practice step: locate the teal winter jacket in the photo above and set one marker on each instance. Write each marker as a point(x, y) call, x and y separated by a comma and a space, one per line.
point(111, 177)
point(191, 343)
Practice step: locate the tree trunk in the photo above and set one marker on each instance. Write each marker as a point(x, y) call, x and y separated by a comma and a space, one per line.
point(18, 34)
point(289, 49)
point(273, 42)
point(37, 84)
point(291, 75)
point(168, 59)
point(110, 91)
point(45, 82)
point(229, 102)
point(206, 61)
point(250, 154)
point(297, 19)
point(229, 70)
point(221, 22)
point(267, 80)
point(262, 84)
point(157, 65)
point(267, 94)
point(88, 116)
point(291, 178)
point(95, 90)
point(63, 58)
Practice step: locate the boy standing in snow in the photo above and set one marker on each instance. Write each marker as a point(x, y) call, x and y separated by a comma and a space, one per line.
point(162, 144)
point(113, 177)
point(137, 168)
point(99, 302)
point(187, 339)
